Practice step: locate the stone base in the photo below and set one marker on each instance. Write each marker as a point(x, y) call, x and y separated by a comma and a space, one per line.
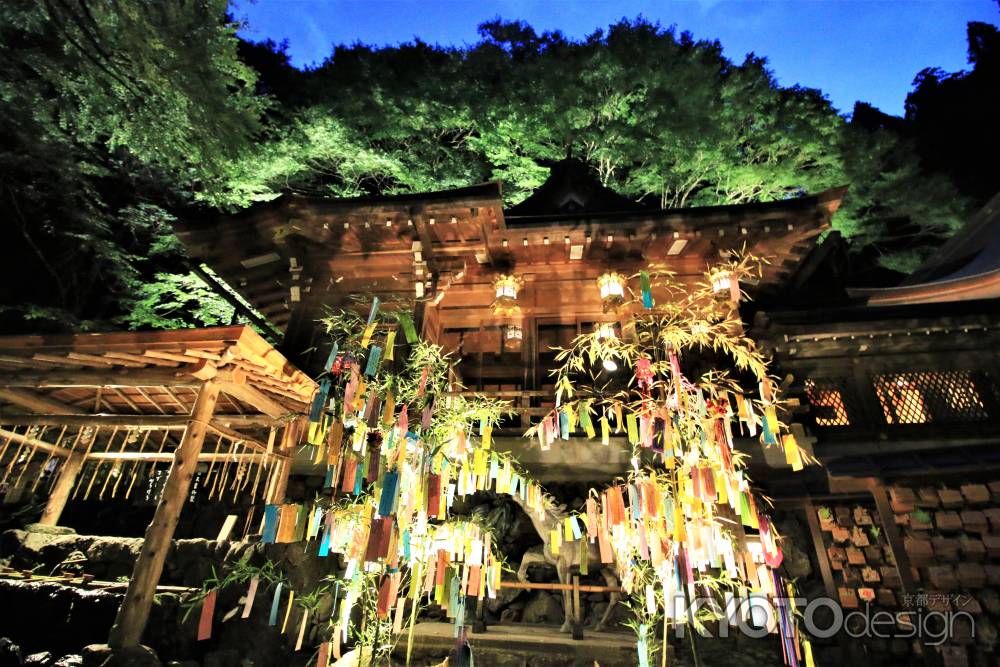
point(42, 529)
point(102, 655)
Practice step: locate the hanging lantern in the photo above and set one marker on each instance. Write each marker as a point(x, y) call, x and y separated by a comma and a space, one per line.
point(722, 281)
point(505, 300)
point(612, 286)
point(606, 331)
point(725, 284)
point(513, 332)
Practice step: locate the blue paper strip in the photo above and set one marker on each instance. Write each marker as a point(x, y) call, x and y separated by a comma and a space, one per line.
point(387, 501)
point(374, 355)
point(324, 544)
point(270, 524)
point(633, 500)
point(273, 619)
point(373, 312)
point(319, 401)
point(769, 438)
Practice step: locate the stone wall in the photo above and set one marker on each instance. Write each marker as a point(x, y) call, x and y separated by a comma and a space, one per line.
point(64, 619)
point(951, 537)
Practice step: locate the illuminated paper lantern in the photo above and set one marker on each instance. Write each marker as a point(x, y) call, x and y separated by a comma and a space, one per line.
point(606, 331)
point(505, 296)
point(612, 286)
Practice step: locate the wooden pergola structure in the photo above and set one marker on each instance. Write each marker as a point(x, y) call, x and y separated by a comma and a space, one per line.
point(105, 407)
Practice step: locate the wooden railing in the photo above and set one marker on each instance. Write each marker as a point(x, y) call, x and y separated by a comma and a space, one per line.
point(575, 588)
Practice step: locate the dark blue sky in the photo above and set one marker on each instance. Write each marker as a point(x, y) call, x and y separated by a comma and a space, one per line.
point(851, 49)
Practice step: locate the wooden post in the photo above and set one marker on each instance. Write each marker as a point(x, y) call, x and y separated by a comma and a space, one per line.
point(892, 536)
point(821, 556)
point(65, 481)
point(278, 484)
point(134, 612)
point(577, 615)
point(479, 625)
point(279, 481)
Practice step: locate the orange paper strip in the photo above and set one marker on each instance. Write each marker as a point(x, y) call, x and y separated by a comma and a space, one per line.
point(207, 612)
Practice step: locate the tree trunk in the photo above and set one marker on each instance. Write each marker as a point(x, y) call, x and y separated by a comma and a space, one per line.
point(134, 612)
point(68, 472)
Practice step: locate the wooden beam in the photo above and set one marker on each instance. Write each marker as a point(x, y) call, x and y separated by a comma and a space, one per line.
point(32, 401)
point(822, 558)
point(278, 483)
point(255, 397)
point(130, 622)
point(227, 421)
point(892, 536)
point(125, 377)
point(61, 377)
point(167, 456)
point(35, 443)
point(224, 291)
point(68, 471)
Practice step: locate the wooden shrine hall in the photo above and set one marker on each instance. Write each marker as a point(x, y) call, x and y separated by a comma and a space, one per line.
point(441, 255)
point(101, 411)
point(449, 257)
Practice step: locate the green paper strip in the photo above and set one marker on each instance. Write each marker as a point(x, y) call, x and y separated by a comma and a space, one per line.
point(633, 428)
point(409, 332)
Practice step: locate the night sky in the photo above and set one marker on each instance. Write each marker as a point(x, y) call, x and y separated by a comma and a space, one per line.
point(850, 49)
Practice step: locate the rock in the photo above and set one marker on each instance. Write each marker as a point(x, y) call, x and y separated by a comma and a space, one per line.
point(43, 659)
point(102, 655)
point(227, 658)
point(11, 541)
point(796, 561)
point(510, 615)
point(990, 600)
point(543, 608)
point(72, 660)
point(49, 530)
point(986, 632)
point(10, 653)
point(503, 599)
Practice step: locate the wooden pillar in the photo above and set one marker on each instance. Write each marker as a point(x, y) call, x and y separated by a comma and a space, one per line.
point(821, 556)
point(479, 625)
point(279, 482)
point(134, 612)
point(577, 614)
point(888, 519)
point(65, 481)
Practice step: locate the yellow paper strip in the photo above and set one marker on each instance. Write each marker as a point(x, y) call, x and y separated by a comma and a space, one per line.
point(369, 330)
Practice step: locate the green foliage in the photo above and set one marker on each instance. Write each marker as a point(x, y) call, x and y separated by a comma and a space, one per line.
point(413, 365)
point(893, 205)
point(112, 113)
point(161, 80)
point(176, 301)
point(240, 572)
point(658, 116)
point(115, 113)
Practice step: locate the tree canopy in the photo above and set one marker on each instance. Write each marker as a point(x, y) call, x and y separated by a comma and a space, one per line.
point(119, 116)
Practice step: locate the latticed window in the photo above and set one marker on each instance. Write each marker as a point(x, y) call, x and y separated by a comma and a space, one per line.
point(828, 398)
point(930, 396)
